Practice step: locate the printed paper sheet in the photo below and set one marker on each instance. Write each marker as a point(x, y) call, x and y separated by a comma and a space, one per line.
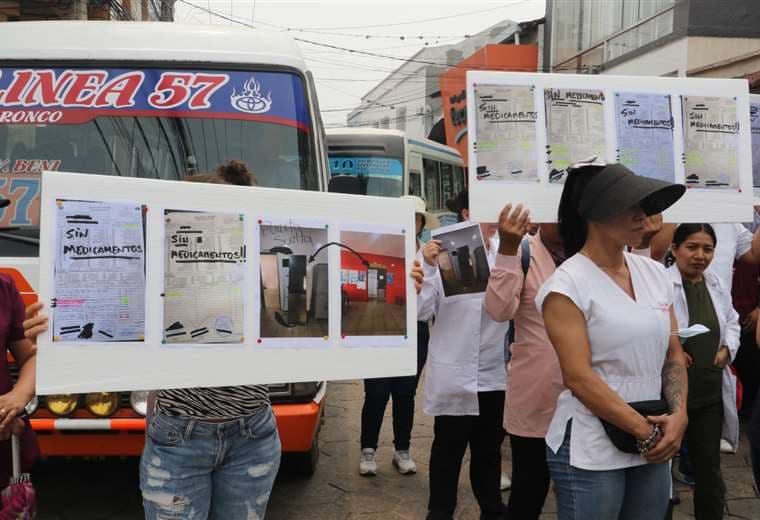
point(574, 127)
point(99, 272)
point(645, 134)
point(204, 277)
point(711, 140)
point(754, 120)
point(506, 130)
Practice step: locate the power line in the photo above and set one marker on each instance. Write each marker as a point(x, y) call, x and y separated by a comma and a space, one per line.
point(419, 21)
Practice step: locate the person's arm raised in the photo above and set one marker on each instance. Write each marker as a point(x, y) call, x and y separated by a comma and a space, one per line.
point(567, 331)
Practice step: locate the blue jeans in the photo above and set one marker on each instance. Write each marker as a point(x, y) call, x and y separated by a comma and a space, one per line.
point(193, 469)
point(636, 493)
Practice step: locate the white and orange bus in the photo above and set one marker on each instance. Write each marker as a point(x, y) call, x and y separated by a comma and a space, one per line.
point(158, 101)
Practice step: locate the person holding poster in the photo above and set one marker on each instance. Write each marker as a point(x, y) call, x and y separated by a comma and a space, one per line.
point(465, 386)
point(402, 389)
point(701, 298)
point(609, 315)
point(13, 398)
point(180, 469)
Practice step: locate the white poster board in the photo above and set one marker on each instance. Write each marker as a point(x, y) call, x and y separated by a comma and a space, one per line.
point(692, 131)
point(177, 284)
point(754, 119)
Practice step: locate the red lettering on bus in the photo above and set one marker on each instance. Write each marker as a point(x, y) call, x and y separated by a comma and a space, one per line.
point(16, 88)
point(84, 88)
point(45, 89)
point(120, 92)
point(208, 83)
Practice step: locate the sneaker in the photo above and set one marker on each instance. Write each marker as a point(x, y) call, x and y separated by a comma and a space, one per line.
point(681, 477)
point(725, 447)
point(403, 462)
point(505, 482)
point(367, 464)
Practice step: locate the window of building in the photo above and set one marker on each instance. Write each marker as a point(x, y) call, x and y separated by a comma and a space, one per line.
point(401, 118)
point(606, 30)
point(385, 122)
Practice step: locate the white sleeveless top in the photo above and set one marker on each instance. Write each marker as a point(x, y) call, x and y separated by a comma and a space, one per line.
point(629, 342)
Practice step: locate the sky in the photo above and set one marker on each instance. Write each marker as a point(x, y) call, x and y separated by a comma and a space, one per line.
point(391, 28)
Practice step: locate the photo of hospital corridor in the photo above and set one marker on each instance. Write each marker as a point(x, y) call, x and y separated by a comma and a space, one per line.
point(463, 262)
point(373, 284)
point(294, 282)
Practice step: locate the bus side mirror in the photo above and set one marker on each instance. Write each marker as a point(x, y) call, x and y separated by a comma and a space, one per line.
point(345, 184)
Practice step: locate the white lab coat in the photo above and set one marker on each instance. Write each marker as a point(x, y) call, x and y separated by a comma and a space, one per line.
point(729, 336)
point(466, 348)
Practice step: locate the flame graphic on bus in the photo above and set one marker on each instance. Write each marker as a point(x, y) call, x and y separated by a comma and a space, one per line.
point(251, 100)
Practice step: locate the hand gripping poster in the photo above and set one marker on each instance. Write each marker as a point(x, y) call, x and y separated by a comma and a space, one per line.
point(99, 273)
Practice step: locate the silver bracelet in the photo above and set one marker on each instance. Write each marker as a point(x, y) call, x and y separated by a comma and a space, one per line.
point(645, 445)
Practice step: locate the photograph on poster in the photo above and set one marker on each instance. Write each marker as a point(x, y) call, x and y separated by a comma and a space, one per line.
point(462, 262)
point(574, 128)
point(506, 122)
point(711, 142)
point(754, 122)
point(204, 274)
point(645, 134)
point(294, 279)
point(373, 304)
point(99, 272)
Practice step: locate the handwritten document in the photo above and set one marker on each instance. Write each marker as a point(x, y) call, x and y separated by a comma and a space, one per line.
point(574, 127)
point(204, 275)
point(99, 272)
point(645, 134)
point(711, 140)
point(754, 120)
point(506, 133)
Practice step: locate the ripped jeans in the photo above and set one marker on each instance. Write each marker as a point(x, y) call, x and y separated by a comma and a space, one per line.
point(192, 469)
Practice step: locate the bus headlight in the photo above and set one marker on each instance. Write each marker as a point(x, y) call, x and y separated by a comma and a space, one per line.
point(31, 406)
point(102, 404)
point(139, 401)
point(62, 404)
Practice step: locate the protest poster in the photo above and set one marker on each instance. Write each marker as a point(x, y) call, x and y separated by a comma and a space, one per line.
point(692, 131)
point(156, 284)
point(754, 121)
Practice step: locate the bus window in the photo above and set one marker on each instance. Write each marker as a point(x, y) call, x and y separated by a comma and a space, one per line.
point(458, 179)
point(415, 184)
point(157, 144)
point(432, 184)
point(380, 176)
point(448, 190)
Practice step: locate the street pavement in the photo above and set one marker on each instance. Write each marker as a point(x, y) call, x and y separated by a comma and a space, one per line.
point(108, 489)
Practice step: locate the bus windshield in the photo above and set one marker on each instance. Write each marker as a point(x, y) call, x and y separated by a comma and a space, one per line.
point(149, 123)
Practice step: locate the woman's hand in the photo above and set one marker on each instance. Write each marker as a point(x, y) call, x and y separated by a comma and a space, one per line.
point(513, 225)
point(35, 323)
point(431, 251)
point(722, 357)
point(652, 226)
point(11, 406)
point(417, 275)
point(673, 427)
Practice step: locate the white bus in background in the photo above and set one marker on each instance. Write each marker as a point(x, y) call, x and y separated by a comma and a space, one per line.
point(391, 164)
point(158, 101)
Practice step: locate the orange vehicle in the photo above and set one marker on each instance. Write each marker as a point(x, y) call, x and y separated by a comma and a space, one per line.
point(157, 101)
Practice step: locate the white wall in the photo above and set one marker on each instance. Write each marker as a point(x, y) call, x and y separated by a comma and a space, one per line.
point(662, 61)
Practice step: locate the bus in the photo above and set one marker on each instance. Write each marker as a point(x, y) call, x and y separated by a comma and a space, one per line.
point(391, 164)
point(159, 101)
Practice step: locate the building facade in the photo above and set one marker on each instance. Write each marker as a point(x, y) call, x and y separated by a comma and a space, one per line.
point(701, 38)
point(409, 99)
point(121, 10)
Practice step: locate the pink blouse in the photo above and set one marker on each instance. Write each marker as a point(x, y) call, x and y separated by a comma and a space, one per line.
point(534, 379)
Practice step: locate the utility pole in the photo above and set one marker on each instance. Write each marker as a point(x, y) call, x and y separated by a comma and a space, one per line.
point(78, 10)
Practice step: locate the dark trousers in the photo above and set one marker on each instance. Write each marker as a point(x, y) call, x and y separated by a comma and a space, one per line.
point(402, 390)
point(484, 434)
point(530, 478)
point(754, 440)
point(703, 438)
point(746, 363)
